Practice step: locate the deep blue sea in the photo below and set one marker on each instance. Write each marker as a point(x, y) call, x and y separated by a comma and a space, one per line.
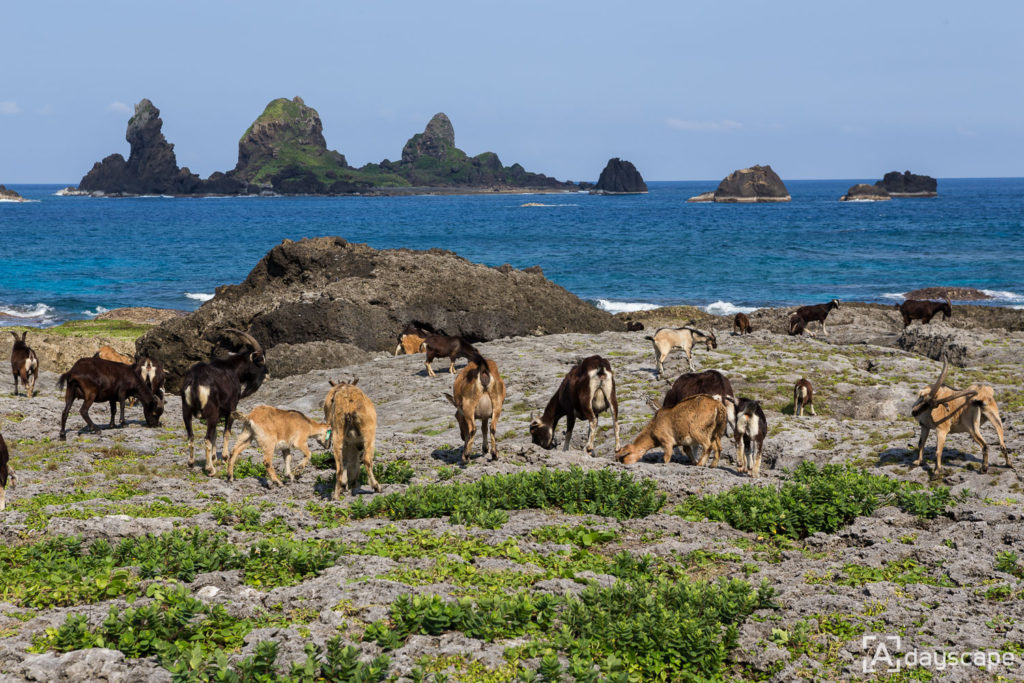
point(71, 257)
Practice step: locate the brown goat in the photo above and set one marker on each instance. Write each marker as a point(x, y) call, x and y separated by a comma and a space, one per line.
point(917, 309)
point(952, 411)
point(695, 421)
point(443, 346)
point(478, 394)
point(24, 364)
point(741, 324)
point(273, 428)
point(411, 340)
point(803, 397)
point(353, 421)
point(587, 390)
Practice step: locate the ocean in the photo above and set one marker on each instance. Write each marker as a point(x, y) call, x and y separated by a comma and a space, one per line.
point(74, 257)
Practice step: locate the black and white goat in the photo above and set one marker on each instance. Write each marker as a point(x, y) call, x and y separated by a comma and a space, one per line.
point(587, 390)
point(5, 472)
point(805, 315)
point(24, 364)
point(751, 429)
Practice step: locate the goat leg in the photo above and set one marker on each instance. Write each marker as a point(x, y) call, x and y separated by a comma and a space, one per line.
point(113, 412)
point(570, 423)
point(590, 437)
point(940, 442)
point(84, 412)
point(122, 412)
point(240, 445)
point(920, 445)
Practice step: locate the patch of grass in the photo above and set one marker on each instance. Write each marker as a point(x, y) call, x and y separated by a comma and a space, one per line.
point(120, 329)
point(901, 572)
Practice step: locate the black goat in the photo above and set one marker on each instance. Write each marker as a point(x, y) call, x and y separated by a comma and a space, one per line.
point(741, 324)
point(918, 309)
point(587, 390)
point(152, 373)
point(634, 326)
point(212, 391)
point(443, 346)
point(95, 379)
point(710, 382)
point(751, 428)
point(805, 315)
point(24, 364)
point(5, 472)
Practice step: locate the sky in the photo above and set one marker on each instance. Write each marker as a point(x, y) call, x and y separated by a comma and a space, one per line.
point(686, 91)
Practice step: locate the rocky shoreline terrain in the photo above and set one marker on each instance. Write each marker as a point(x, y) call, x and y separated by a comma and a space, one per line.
point(938, 568)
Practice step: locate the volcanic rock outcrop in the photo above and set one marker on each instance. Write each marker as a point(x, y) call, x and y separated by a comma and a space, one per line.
point(862, 192)
point(620, 177)
point(10, 195)
point(748, 185)
point(328, 290)
point(908, 184)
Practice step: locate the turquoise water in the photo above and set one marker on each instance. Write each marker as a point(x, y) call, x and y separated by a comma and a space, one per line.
point(69, 257)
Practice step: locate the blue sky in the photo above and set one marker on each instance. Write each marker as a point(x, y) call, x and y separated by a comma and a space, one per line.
point(683, 90)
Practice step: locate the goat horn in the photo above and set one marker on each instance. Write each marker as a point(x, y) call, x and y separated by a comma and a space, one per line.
point(941, 379)
point(248, 338)
point(954, 397)
point(16, 337)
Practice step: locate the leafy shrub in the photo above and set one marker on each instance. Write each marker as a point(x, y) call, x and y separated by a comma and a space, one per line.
point(600, 492)
point(59, 572)
point(1009, 563)
point(825, 499)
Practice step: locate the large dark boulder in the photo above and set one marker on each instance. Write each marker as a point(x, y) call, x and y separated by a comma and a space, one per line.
point(620, 177)
point(862, 192)
point(748, 185)
point(908, 184)
point(327, 289)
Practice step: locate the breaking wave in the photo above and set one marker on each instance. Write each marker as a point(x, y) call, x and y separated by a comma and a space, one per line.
point(624, 306)
point(198, 296)
point(728, 308)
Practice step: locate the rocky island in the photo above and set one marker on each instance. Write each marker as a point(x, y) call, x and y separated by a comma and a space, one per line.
point(10, 195)
point(284, 152)
point(620, 177)
point(862, 192)
point(748, 185)
point(908, 184)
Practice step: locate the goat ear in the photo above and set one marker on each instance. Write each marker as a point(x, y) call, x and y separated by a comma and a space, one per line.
point(355, 381)
point(332, 382)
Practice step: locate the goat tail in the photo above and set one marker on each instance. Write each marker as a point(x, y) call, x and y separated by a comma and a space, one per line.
point(63, 379)
point(647, 336)
point(423, 346)
point(350, 423)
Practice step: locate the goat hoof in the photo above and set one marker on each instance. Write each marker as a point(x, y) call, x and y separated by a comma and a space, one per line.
point(62, 437)
point(984, 469)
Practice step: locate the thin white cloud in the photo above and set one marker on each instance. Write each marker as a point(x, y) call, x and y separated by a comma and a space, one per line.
point(119, 107)
point(9, 108)
point(720, 126)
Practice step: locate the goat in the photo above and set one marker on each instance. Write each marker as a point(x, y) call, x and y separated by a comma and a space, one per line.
point(695, 421)
point(5, 472)
point(353, 421)
point(112, 354)
point(710, 382)
point(24, 364)
point(411, 340)
point(952, 411)
point(803, 316)
point(478, 394)
point(152, 373)
point(803, 397)
point(667, 338)
point(144, 366)
point(272, 428)
point(917, 309)
point(95, 379)
point(741, 324)
point(634, 326)
point(751, 428)
point(212, 391)
point(443, 346)
point(587, 390)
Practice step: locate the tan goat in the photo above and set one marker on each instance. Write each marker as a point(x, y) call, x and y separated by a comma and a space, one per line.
point(110, 353)
point(695, 421)
point(668, 338)
point(410, 340)
point(478, 394)
point(273, 428)
point(954, 411)
point(353, 421)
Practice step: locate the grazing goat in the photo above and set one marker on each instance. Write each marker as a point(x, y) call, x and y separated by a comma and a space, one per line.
point(272, 428)
point(952, 411)
point(751, 428)
point(24, 364)
point(634, 326)
point(353, 421)
point(149, 370)
point(917, 309)
point(411, 340)
point(95, 379)
point(803, 397)
point(443, 346)
point(803, 316)
point(741, 324)
point(5, 472)
point(586, 391)
point(710, 382)
point(667, 338)
point(695, 421)
point(478, 394)
point(212, 391)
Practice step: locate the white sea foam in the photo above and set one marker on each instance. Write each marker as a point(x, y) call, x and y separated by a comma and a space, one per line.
point(27, 311)
point(894, 295)
point(728, 308)
point(93, 314)
point(624, 306)
point(1003, 295)
point(198, 296)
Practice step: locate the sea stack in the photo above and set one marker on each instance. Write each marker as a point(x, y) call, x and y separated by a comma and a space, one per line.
point(10, 195)
point(620, 177)
point(908, 184)
point(862, 192)
point(748, 185)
